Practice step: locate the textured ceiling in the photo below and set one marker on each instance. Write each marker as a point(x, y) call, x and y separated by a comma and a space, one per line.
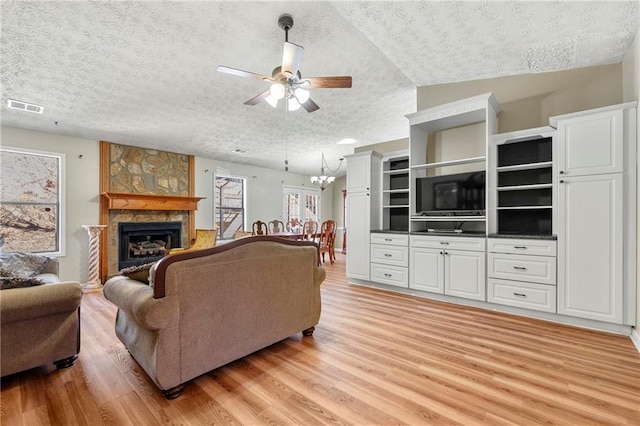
point(144, 73)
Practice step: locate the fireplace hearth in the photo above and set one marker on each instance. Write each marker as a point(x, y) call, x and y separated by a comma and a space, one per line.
point(145, 242)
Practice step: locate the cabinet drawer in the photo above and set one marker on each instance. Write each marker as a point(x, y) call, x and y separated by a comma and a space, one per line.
point(517, 246)
point(454, 243)
point(392, 275)
point(390, 255)
point(523, 295)
point(390, 239)
point(537, 269)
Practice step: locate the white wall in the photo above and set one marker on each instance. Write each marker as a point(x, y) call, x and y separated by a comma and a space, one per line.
point(82, 190)
point(264, 190)
point(631, 92)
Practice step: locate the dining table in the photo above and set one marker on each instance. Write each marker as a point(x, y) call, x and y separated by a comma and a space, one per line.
point(293, 235)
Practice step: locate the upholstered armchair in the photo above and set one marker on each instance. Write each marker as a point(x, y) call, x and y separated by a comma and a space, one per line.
point(205, 238)
point(40, 324)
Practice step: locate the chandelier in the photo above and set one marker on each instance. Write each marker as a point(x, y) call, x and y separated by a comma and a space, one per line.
point(323, 180)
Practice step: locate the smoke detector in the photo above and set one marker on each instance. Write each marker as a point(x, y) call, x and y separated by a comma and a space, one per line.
point(24, 106)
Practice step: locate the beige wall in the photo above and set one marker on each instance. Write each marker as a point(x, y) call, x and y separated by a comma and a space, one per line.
point(631, 92)
point(528, 100)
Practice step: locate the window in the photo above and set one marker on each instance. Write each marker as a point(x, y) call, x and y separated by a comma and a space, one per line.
point(229, 205)
point(31, 201)
point(300, 205)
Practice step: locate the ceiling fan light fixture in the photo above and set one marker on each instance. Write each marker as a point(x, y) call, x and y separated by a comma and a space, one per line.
point(292, 103)
point(272, 100)
point(301, 95)
point(277, 91)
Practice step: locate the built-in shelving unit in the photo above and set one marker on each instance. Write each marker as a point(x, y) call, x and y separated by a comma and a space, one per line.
point(522, 182)
point(444, 141)
point(395, 192)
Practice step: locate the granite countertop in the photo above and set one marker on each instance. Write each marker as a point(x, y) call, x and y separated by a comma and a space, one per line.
point(467, 234)
point(524, 236)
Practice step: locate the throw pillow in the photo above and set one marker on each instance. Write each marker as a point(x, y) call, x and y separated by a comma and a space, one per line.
point(21, 264)
point(17, 282)
point(138, 272)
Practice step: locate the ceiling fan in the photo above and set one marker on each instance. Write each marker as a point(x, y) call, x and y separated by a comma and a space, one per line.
point(286, 80)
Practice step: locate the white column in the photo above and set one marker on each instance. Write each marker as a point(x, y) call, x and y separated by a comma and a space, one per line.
point(94, 256)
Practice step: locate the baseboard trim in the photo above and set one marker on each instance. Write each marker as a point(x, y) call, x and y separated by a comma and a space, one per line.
point(546, 316)
point(635, 337)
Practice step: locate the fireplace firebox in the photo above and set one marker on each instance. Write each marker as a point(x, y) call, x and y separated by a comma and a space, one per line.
point(145, 242)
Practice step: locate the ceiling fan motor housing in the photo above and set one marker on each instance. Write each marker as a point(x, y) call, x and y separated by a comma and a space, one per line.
point(285, 21)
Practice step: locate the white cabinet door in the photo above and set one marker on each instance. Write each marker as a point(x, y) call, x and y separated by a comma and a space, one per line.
point(358, 228)
point(465, 274)
point(358, 173)
point(426, 270)
point(590, 247)
point(591, 144)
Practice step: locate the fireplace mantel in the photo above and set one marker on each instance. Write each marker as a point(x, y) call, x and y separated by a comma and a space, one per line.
point(123, 201)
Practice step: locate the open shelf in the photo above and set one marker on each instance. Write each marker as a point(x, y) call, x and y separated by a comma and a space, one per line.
point(451, 163)
point(524, 187)
point(448, 218)
point(529, 166)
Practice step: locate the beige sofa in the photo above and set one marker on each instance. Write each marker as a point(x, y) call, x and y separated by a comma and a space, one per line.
point(203, 309)
point(40, 324)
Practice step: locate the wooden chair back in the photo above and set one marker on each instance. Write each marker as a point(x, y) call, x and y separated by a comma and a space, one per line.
point(309, 230)
point(293, 225)
point(259, 228)
point(276, 226)
point(327, 239)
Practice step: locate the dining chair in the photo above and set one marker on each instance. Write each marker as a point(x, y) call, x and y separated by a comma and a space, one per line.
point(260, 228)
point(276, 226)
point(327, 239)
point(293, 225)
point(310, 230)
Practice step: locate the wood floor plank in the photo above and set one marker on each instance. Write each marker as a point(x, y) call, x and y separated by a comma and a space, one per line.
point(376, 358)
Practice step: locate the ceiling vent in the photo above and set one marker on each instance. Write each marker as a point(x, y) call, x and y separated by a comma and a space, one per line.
point(24, 106)
point(239, 151)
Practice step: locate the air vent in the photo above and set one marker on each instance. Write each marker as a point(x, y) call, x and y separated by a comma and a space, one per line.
point(24, 106)
point(239, 151)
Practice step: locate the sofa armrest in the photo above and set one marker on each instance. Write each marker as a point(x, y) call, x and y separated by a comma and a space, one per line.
point(19, 304)
point(136, 299)
point(319, 274)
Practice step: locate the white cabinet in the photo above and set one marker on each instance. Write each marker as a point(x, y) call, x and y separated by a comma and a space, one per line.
point(454, 266)
point(522, 273)
point(390, 259)
point(596, 185)
point(362, 210)
point(590, 240)
point(590, 143)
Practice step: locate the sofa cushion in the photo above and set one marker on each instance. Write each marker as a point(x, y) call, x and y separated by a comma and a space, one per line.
point(138, 272)
point(22, 264)
point(19, 282)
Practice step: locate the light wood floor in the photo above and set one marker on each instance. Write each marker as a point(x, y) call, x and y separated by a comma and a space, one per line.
point(376, 358)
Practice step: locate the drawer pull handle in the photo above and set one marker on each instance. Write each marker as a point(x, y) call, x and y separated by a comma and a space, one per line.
point(387, 255)
point(388, 239)
point(444, 243)
point(520, 268)
point(388, 275)
point(520, 294)
point(520, 247)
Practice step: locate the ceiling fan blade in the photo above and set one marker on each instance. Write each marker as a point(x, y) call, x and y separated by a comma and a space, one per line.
point(241, 73)
point(337, 82)
point(258, 98)
point(310, 106)
point(291, 57)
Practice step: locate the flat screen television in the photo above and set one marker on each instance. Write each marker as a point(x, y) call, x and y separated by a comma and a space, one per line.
point(461, 194)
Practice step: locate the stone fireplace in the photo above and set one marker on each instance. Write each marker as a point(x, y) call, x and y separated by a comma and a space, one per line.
point(138, 187)
point(145, 242)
